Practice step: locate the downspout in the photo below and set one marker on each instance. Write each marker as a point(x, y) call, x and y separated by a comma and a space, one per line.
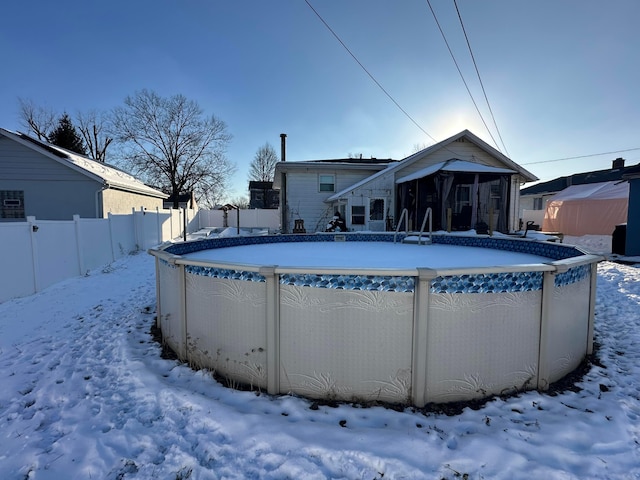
point(99, 205)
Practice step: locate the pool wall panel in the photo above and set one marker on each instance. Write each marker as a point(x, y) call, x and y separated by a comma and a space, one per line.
point(227, 328)
point(170, 307)
point(482, 344)
point(568, 328)
point(345, 344)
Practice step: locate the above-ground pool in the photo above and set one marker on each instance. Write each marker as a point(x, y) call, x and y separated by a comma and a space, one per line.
point(358, 317)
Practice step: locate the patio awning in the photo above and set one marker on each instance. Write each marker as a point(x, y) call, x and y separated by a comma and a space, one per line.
point(454, 166)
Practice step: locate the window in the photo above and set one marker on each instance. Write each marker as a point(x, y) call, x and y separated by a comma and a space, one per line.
point(496, 196)
point(357, 215)
point(12, 204)
point(327, 183)
point(463, 196)
point(376, 209)
point(537, 203)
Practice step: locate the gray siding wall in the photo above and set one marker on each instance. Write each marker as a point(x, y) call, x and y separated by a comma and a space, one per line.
point(51, 191)
point(306, 202)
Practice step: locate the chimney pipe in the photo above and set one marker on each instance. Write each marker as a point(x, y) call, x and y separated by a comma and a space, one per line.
point(283, 147)
point(618, 163)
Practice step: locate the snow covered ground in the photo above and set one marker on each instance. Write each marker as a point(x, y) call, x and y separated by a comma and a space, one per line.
point(85, 394)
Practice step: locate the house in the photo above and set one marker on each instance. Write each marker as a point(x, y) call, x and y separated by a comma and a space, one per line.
point(185, 200)
point(536, 196)
point(263, 195)
point(462, 179)
point(51, 183)
point(632, 238)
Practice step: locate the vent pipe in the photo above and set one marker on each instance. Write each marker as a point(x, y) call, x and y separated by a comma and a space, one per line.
point(283, 147)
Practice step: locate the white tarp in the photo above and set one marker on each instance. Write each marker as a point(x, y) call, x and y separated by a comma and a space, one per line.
point(591, 209)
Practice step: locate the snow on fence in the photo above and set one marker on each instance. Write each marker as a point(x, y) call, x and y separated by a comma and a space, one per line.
point(38, 253)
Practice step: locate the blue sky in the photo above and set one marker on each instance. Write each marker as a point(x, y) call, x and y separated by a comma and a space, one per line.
point(562, 77)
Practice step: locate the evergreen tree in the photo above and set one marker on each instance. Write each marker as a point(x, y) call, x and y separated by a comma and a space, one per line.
point(66, 136)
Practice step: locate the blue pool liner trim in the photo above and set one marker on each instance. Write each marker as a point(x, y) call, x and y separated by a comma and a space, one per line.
point(479, 283)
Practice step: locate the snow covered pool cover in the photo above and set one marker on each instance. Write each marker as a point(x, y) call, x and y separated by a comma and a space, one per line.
point(366, 255)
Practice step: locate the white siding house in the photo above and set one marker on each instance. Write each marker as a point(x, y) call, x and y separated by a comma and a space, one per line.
point(461, 176)
point(51, 183)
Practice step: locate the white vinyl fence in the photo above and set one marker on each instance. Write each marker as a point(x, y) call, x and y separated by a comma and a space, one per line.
point(535, 216)
point(38, 253)
point(254, 218)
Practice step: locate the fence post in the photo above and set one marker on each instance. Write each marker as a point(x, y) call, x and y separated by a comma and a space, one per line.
point(160, 236)
point(79, 246)
point(113, 251)
point(33, 228)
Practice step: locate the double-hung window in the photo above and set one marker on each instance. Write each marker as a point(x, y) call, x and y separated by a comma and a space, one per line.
point(326, 183)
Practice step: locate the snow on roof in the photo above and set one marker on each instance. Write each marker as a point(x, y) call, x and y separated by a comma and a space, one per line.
point(454, 165)
point(108, 174)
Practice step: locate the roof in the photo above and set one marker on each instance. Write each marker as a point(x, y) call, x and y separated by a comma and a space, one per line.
point(593, 191)
point(330, 165)
point(260, 185)
point(528, 176)
point(454, 165)
point(109, 175)
point(597, 176)
point(632, 172)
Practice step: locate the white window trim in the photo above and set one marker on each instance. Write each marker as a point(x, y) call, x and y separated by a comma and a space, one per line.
point(320, 182)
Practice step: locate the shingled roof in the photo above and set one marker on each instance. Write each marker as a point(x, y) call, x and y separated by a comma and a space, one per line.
point(598, 176)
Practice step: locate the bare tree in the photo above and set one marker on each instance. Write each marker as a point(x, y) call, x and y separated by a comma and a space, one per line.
point(263, 166)
point(38, 120)
point(93, 128)
point(172, 145)
point(241, 202)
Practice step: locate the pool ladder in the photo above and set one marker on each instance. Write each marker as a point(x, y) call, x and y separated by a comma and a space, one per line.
point(405, 216)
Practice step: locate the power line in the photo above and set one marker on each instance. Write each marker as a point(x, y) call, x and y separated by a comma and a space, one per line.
point(460, 72)
point(582, 156)
point(369, 73)
point(479, 78)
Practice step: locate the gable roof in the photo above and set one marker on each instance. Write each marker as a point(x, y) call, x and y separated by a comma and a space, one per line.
point(454, 165)
point(466, 134)
point(110, 176)
point(597, 176)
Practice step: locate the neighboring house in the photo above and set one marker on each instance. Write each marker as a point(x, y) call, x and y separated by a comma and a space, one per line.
point(263, 195)
point(536, 196)
point(632, 240)
point(51, 183)
point(185, 200)
point(461, 176)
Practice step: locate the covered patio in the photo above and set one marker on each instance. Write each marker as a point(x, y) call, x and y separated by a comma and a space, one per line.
point(461, 194)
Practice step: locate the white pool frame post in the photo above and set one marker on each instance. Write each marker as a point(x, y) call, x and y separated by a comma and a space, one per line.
point(592, 307)
point(184, 350)
point(272, 323)
point(420, 336)
point(548, 280)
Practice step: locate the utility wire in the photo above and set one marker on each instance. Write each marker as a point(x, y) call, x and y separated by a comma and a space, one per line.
point(369, 73)
point(479, 78)
point(582, 156)
point(460, 72)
